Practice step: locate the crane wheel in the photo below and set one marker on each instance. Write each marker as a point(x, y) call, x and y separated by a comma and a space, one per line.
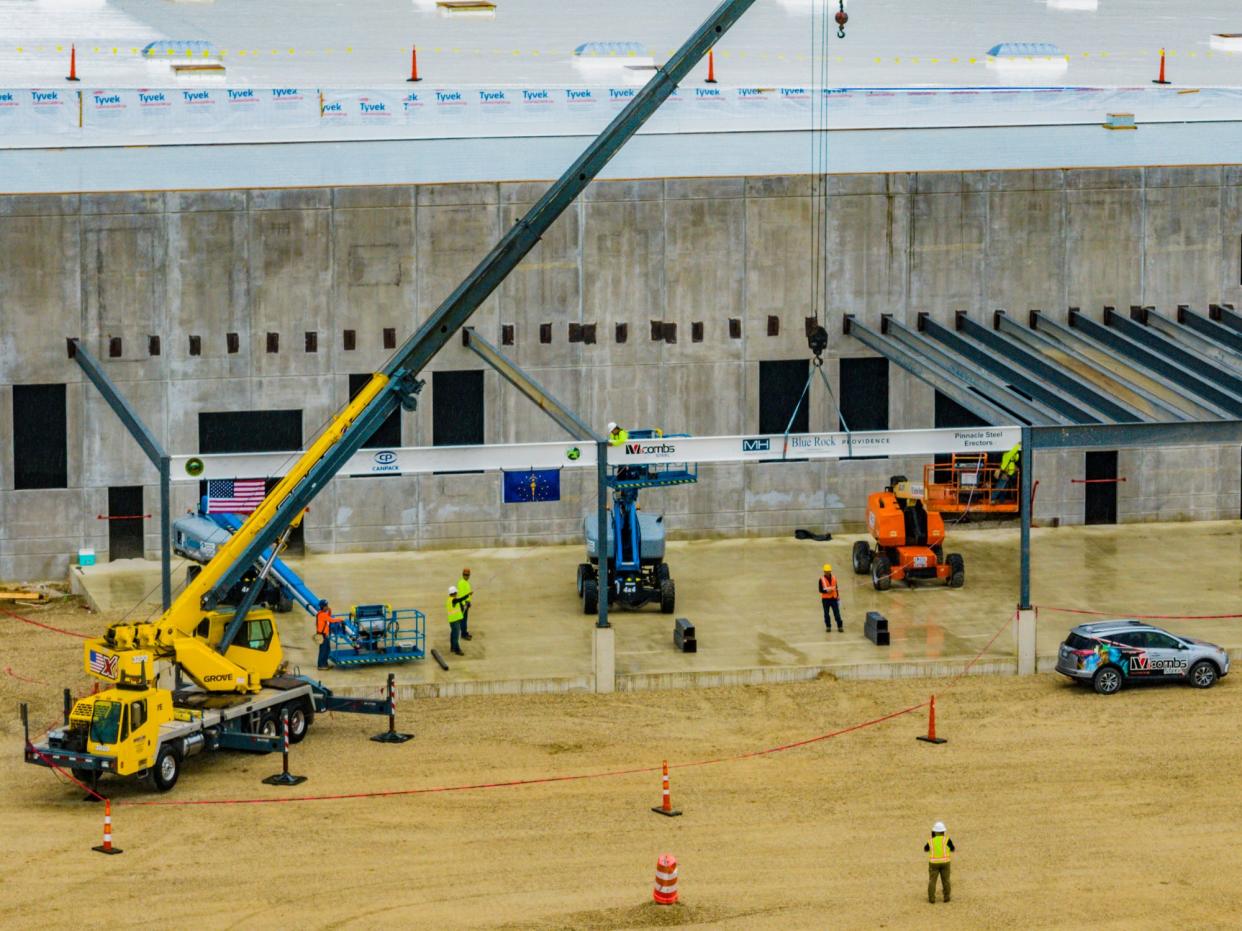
point(166, 769)
point(861, 557)
point(299, 721)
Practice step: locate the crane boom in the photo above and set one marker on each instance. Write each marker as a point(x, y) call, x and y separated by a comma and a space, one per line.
point(397, 384)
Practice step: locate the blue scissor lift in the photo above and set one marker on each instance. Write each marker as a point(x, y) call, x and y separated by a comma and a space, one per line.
point(635, 572)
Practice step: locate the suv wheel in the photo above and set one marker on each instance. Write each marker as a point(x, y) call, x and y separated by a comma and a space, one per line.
point(1203, 675)
point(1107, 680)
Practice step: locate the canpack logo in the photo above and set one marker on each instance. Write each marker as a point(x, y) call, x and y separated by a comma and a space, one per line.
point(385, 461)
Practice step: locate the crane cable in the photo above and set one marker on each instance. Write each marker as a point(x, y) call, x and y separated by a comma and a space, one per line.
point(817, 335)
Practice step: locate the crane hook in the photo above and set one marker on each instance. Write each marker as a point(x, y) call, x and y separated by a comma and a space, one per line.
point(842, 18)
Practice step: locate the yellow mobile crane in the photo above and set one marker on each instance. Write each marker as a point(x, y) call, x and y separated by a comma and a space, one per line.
point(144, 724)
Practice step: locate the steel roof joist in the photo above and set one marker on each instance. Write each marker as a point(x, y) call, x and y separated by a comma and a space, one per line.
point(981, 380)
point(1153, 363)
point(1206, 370)
point(1065, 379)
point(1142, 435)
point(1189, 339)
point(1226, 315)
point(1205, 327)
point(1075, 411)
point(1067, 356)
point(899, 356)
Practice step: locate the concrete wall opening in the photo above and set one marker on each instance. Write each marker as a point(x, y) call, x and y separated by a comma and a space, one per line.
point(457, 408)
point(863, 394)
point(781, 383)
point(1100, 504)
point(40, 437)
point(253, 432)
point(388, 434)
point(125, 522)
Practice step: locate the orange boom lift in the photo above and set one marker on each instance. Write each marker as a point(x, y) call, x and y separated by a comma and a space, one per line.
point(909, 540)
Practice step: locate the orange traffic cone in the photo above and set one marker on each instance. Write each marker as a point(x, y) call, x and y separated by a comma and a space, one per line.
point(413, 65)
point(711, 66)
point(1161, 80)
point(666, 806)
point(106, 846)
point(73, 63)
point(665, 891)
point(931, 737)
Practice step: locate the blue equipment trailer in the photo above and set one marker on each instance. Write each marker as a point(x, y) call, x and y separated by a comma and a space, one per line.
point(635, 572)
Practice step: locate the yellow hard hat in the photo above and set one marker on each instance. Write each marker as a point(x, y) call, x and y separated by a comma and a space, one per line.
point(827, 568)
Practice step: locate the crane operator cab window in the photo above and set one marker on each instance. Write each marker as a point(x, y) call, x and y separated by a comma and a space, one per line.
point(106, 722)
point(254, 634)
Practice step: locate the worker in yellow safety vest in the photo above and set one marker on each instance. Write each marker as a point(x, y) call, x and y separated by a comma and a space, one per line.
point(452, 609)
point(830, 597)
point(464, 591)
point(939, 851)
point(1007, 473)
point(616, 436)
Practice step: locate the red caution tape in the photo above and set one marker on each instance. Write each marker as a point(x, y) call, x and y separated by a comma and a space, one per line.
point(20, 678)
point(1144, 617)
point(58, 630)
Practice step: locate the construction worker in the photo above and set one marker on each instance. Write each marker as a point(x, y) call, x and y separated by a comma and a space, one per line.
point(616, 436)
point(830, 597)
point(1007, 472)
point(323, 626)
point(939, 850)
point(464, 591)
point(453, 610)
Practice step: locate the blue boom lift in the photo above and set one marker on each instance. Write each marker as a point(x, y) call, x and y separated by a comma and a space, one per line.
point(368, 635)
point(635, 572)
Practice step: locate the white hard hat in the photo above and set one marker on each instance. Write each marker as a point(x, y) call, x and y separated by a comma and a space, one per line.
point(611, 426)
point(938, 827)
point(452, 589)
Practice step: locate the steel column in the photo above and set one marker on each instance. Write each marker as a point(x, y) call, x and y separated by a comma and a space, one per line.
point(1024, 508)
point(146, 441)
point(601, 505)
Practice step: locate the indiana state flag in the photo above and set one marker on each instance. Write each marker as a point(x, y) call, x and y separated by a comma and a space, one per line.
point(532, 485)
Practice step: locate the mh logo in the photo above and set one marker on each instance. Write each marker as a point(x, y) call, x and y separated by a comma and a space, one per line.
point(756, 444)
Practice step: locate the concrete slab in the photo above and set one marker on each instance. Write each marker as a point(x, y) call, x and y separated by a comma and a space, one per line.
point(755, 607)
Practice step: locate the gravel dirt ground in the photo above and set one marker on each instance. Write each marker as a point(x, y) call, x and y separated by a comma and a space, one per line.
point(1067, 808)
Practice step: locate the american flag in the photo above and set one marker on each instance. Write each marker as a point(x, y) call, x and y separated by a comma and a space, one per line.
point(234, 496)
point(104, 664)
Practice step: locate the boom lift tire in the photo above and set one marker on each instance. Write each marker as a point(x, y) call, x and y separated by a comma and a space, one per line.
point(861, 557)
point(957, 578)
point(668, 596)
point(590, 597)
point(284, 604)
point(166, 769)
point(663, 574)
point(584, 573)
point(881, 573)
